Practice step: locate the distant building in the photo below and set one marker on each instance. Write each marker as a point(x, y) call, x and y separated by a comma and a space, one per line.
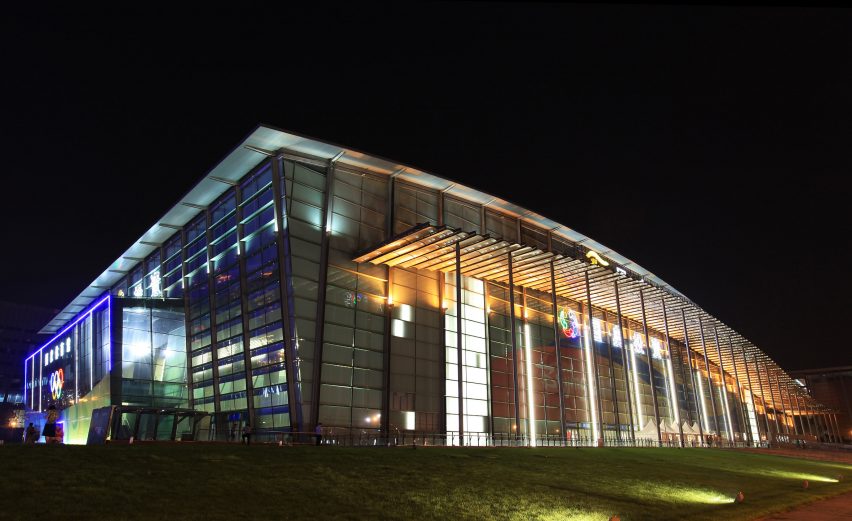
point(832, 386)
point(19, 326)
point(300, 282)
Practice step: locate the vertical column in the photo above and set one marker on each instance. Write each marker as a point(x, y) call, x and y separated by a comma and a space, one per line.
point(386, 355)
point(763, 398)
point(319, 331)
point(650, 366)
point(751, 395)
point(459, 342)
point(612, 380)
point(555, 311)
point(837, 427)
point(727, 409)
point(709, 378)
point(514, 330)
point(783, 405)
point(282, 240)
point(531, 427)
point(802, 414)
point(699, 397)
point(624, 364)
point(772, 395)
point(188, 330)
point(829, 429)
point(211, 303)
point(792, 405)
point(241, 249)
point(793, 412)
point(740, 395)
point(674, 400)
point(589, 338)
point(809, 416)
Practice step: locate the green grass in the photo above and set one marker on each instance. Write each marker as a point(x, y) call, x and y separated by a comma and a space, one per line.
point(195, 481)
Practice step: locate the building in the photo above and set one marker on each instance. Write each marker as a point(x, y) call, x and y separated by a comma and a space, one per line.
point(831, 386)
point(301, 282)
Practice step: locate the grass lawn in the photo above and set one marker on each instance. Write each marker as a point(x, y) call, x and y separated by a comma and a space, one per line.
point(209, 481)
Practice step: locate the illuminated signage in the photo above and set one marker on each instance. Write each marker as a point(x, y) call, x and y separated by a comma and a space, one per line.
point(595, 258)
point(137, 291)
point(57, 381)
point(568, 323)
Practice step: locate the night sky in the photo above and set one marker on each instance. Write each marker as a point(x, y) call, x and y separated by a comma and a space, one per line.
point(712, 145)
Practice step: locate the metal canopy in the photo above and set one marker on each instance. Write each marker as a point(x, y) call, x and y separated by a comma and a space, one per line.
point(485, 257)
point(266, 141)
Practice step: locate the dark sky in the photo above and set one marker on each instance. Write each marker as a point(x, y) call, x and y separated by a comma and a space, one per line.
point(709, 144)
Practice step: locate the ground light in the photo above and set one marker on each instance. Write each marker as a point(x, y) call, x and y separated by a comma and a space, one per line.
point(803, 476)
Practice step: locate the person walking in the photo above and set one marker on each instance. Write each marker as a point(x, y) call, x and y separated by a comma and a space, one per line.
point(318, 433)
point(49, 431)
point(32, 435)
point(247, 434)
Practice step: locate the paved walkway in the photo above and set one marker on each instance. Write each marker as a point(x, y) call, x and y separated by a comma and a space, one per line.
point(839, 507)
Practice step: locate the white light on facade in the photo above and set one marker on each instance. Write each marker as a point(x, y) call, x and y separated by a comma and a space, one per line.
point(590, 379)
point(636, 385)
point(409, 420)
point(702, 402)
point(597, 330)
point(616, 336)
point(656, 348)
point(530, 394)
point(673, 391)
point(727, 409)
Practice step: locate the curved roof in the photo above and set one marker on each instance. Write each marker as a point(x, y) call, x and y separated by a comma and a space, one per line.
point(266, 141)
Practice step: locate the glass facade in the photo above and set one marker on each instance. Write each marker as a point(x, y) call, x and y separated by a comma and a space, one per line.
point(486, 328)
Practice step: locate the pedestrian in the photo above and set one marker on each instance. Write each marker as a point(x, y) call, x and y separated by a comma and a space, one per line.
point(247, 434)
point(318, 433)
point(32, 435)
point(233, 432)
point(49, 431)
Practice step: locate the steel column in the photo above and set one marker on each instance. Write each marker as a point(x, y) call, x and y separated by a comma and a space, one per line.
point(699, 407)
point(772, 395)
point(459, 342)
point(763, 399)
point(594, 354)
point(514, 330)
point(284, 283)
point(742, 405)
point(241, 249)
point(783, 405)
point(676, 406)
point(650, 366)
point(709, 378)
point(555, 308)
point(751, 396)
point(612, 379)
point(319, 331)
point(624, 364)
point(726, 411)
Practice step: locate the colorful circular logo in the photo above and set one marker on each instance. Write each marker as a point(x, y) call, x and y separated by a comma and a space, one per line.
point(57, 381)
point(568, 322)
